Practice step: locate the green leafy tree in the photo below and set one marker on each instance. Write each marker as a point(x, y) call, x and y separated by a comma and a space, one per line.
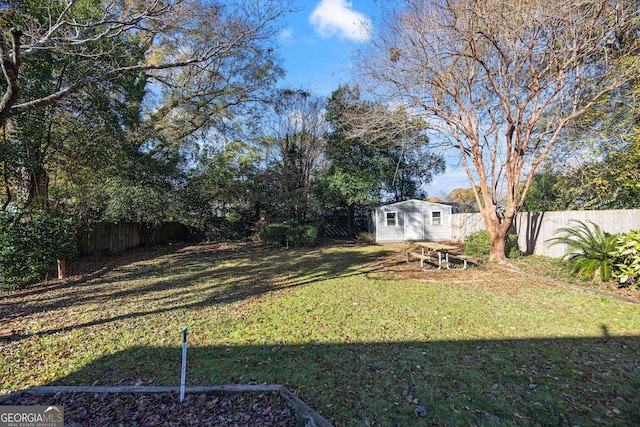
point(609, 181)
point(78, 137)
point(552, 191)
point(353, 178)
point(409, 167)
point(145, 182)
point(224, 193)
point(189, 35)
point(361, 171)
point(37, 136)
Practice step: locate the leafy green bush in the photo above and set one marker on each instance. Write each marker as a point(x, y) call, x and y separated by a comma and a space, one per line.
point(627, 253)
point(589, 250)
point(274, 234)
point(478, 244)
point(296, 235)
point(30, 244)
point(511, 246)
point(309, 235)
point(305, 235)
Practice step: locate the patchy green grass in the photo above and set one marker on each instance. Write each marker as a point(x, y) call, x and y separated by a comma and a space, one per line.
point(557, 269)
point(359, 344)
point(553, 268)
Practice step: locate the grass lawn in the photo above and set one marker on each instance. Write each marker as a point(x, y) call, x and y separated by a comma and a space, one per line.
point(359, 343)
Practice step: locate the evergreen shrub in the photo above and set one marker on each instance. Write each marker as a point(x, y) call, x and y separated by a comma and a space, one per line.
point(511, 246)
point(307, 236)
point(30, 244)
point(274, 235)
point(478, 244)
point(627, 253)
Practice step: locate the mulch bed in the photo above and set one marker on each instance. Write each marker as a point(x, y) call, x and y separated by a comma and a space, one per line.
point(165, 409)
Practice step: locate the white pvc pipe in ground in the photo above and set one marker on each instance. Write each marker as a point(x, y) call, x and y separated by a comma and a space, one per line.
point(184, 362)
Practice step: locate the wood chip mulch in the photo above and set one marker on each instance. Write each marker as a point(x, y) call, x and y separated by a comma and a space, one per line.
point(165, 409)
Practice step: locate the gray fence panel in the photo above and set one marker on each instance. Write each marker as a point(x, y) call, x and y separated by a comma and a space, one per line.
point(534, 229)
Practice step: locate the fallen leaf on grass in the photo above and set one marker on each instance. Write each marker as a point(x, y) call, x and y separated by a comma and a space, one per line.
point(421, 411)
point(489, 416)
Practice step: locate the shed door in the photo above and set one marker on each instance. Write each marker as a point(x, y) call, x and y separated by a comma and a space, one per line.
point(413, 226)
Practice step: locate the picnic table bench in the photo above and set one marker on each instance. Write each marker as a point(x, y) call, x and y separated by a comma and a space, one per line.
point(441, 249)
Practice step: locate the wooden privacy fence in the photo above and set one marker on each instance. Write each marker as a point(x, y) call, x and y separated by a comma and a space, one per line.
point(107, 237)
point(534, 229)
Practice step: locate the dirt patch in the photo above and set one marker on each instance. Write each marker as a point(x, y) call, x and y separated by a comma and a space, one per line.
point(491, 277)
point(499, 278)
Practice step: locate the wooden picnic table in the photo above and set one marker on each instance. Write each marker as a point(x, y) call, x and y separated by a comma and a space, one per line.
point(441, 249)
point(435, 246)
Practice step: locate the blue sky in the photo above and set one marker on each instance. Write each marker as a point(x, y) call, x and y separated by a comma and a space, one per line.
point(317, 46)
point(318, 42)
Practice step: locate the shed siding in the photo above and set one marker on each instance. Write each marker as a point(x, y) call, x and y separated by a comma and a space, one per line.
point(438, 233)
point(386, 233)
point(415, 221)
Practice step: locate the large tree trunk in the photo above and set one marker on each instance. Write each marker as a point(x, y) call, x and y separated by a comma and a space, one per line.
point(34, 188)
point(498, 229)
point(39, 189)
point(497, 244)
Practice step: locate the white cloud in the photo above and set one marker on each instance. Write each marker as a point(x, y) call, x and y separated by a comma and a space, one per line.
point(336, 17)
point(286, 35)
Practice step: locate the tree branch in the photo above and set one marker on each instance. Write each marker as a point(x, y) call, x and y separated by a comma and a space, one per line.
point(10, 68)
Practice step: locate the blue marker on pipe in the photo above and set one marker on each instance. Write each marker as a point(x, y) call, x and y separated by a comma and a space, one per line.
point(184, 362)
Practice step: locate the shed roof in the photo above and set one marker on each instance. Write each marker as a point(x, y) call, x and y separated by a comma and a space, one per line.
point(415, 203)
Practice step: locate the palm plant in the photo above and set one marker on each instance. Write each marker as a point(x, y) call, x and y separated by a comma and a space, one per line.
point(589, 250)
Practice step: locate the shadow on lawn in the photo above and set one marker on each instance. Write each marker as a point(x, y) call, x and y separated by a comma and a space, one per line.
point(581, 381)
point(564, 381)
point(187, 279)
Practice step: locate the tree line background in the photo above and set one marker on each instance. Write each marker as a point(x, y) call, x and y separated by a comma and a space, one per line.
point(171, 110)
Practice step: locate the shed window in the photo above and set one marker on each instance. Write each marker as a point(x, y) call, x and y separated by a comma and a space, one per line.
point(392, 219)
point(436, 218)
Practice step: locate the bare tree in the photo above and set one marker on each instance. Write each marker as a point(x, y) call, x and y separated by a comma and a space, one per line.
point(500, 81)
point(176, 34)
point(294, 132)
